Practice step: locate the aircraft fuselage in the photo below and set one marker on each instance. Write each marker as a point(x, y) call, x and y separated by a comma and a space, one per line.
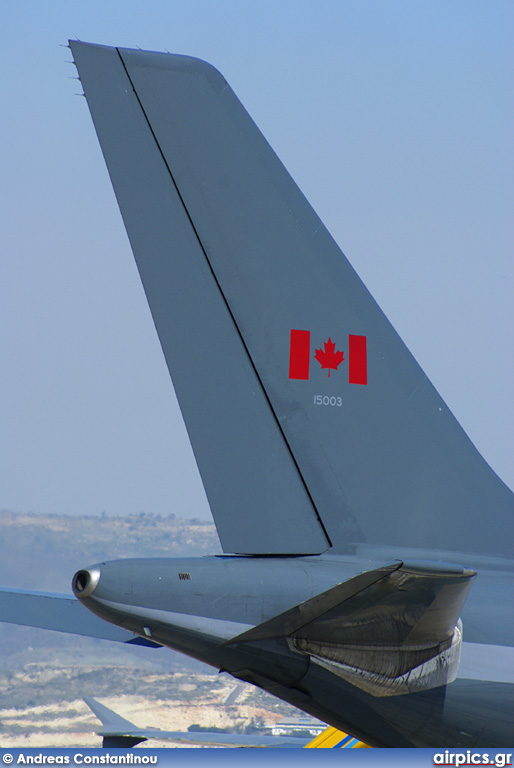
point(198, 605)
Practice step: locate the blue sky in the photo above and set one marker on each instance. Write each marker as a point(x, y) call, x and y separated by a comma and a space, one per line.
point(395, 118)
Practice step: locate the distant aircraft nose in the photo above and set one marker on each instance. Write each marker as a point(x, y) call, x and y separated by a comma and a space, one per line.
point(85, 582)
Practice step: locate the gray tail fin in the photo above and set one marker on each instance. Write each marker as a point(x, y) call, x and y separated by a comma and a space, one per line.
point(311, 423)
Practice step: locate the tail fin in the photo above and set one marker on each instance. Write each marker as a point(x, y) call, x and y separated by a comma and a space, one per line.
point(311, 423)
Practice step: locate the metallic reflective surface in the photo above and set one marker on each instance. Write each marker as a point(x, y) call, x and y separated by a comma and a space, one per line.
point(84, 582)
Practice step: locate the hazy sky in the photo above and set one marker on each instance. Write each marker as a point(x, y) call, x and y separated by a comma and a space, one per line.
point(395, 118)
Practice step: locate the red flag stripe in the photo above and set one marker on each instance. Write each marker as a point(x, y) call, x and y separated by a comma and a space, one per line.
point(357, 357)
point(299, 354)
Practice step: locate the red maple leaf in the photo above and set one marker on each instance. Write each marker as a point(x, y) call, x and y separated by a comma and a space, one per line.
point(329, 358)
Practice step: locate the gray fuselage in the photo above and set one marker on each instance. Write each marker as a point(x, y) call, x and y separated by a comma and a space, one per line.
point(196, 605)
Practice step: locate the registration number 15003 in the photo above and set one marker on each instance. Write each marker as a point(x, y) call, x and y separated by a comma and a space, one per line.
point(334, 400)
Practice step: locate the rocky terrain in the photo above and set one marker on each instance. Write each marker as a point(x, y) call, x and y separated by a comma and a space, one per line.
point(182, 701)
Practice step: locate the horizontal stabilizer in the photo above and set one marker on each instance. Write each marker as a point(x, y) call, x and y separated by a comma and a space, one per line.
point(118, 732)
point(392, 630)
point(112, 723)
point(62, 613)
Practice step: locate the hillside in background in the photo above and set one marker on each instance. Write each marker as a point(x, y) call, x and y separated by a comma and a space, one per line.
point(44, 551)
point(44, 675)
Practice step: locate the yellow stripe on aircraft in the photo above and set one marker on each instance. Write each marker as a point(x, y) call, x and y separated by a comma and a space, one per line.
point(331, 738)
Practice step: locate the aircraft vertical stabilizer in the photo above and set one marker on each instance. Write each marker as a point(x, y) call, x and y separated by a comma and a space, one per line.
point(256, 493)
point(311, 422)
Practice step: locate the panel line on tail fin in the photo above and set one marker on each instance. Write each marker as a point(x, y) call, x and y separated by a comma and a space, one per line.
point(258, 498)
point(227, 304)
point(389, 465)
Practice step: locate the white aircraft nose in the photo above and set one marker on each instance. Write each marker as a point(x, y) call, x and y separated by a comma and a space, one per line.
point(85, 582)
